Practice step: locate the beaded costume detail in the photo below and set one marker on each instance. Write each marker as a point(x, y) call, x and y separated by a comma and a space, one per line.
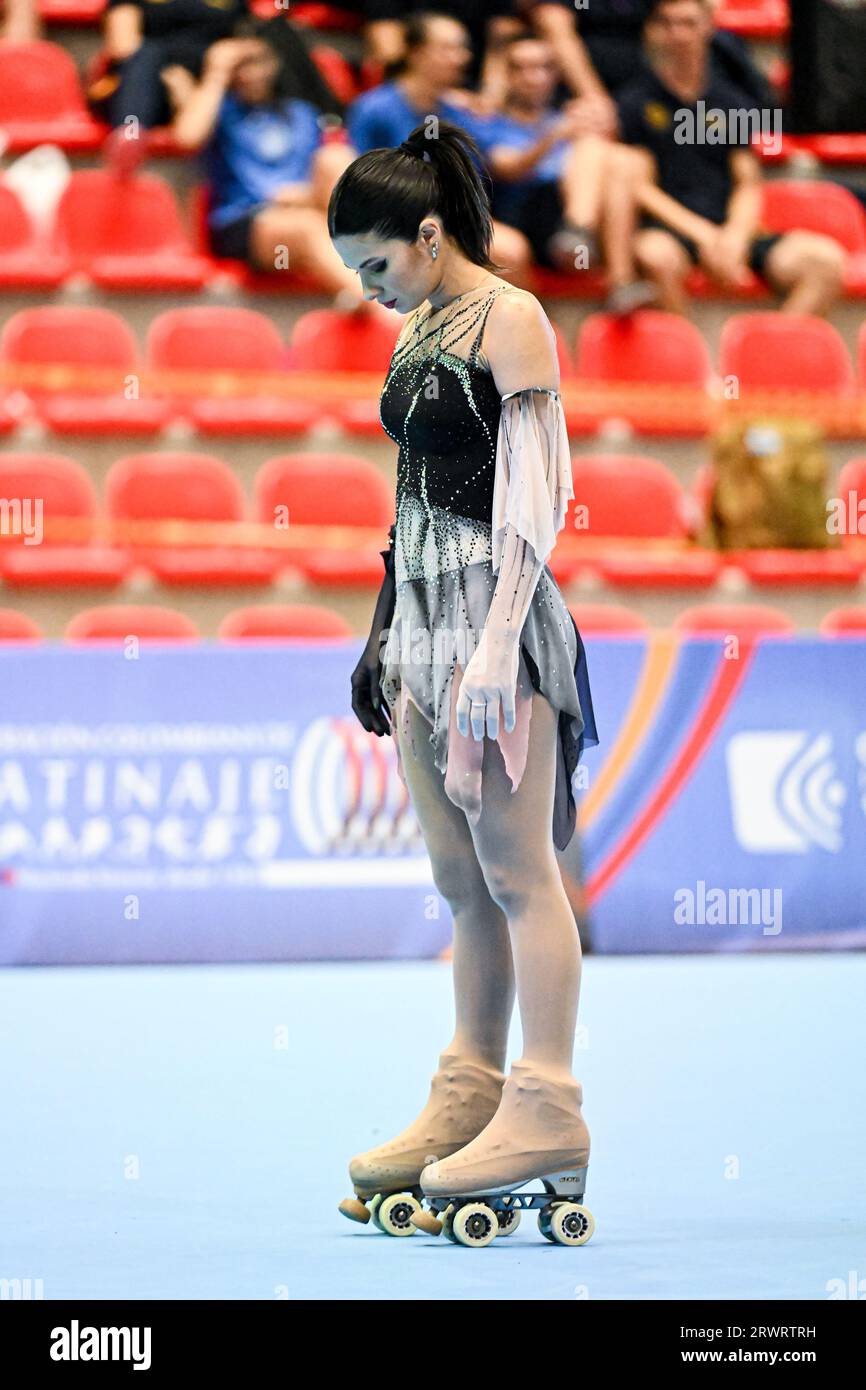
point(483, 482)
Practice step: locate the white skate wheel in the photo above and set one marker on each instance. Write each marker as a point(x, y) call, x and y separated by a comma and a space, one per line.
point(571, 1224)
point(393, 1214)
point(475, 1224)
point(373, 1206)
point(508, 1221)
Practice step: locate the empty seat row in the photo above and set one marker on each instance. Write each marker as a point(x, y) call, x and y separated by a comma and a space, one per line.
point(148, 497)
point(306, 622)
point(184, 518)
point(227, 370)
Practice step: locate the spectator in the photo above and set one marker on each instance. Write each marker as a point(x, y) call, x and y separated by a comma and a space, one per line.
point(143, 38)
point(487, 23)
point(698, 182)
point(560, 190)
point(437, 53)
point(600, 49)
point(270, 174)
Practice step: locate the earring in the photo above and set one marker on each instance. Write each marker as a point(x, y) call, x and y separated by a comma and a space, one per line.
point(434, 251)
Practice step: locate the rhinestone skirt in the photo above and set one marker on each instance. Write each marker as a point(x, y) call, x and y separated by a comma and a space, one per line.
point(437, 621)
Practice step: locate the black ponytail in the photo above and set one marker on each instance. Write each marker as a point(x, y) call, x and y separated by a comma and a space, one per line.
point(437, 169)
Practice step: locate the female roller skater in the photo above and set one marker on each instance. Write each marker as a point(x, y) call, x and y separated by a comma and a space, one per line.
point(483, 682)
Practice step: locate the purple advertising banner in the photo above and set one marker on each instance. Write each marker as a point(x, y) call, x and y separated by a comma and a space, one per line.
point(217, 803)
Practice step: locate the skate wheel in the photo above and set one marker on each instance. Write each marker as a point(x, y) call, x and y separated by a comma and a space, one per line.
point(571, 1224)
point(373, 1207)
point(393, 1214)
point(508, 1221)
point(475, 1224)
point(355, 1210)
point(428, 1223)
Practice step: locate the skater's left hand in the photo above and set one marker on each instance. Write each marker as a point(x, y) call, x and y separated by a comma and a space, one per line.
point(490, 680)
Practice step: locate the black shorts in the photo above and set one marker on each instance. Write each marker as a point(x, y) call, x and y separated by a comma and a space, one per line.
point(759, 249)
point(539, 217)
point(232, 240)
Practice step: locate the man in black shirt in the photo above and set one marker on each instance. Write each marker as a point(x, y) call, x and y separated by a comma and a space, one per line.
point(699, 184)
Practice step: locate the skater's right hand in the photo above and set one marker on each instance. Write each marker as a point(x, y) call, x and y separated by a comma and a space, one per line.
point(368, 702)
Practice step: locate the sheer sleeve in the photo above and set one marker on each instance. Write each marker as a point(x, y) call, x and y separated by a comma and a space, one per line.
point(532, 489)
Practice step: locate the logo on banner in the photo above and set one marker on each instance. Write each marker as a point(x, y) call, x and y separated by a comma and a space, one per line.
point(786, 796)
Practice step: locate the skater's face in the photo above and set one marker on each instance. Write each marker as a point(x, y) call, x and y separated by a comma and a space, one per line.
point(399, 274)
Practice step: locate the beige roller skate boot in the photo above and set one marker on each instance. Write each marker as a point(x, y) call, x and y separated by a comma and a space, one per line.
point(538, 1134)
point(463, 1097)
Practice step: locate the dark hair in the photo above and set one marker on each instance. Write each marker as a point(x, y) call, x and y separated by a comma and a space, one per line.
point(416, 29)
point(297, 75)
point(391, 190)
point(416, 32)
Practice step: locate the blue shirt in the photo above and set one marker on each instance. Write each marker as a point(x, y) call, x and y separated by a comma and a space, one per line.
point(254, 150)
point(383, 118)
point(508, 195)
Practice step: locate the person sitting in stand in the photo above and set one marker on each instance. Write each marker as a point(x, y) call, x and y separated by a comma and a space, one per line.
point(270, 170)
point(698, 182)
point(567, 193)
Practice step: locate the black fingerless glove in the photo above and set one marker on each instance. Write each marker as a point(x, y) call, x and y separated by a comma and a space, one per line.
point(368, 702)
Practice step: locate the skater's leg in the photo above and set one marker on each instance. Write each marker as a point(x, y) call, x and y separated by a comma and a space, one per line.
point(515, 849)
point(483, 969)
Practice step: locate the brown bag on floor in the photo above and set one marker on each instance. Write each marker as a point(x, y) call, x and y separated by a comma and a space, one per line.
point(770, 487)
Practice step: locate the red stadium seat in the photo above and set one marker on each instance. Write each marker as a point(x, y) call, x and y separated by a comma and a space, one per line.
point(626, 495)
point(24, 264)
point(126, 233)
point(116, 622)
point(814, 205)
point(41, 101)
point(217, 340)
point(785, 351)
point(324, 340)
point(831, 149)
point(335, 70)
point(766, 568)
point(186, 487)
point(754, 19)
point(844, 622)
point(649, 348)
point(37, 339)
point(607, 618)
point(330, 490)
point(66, 494)
point(283, 622)
point(861, 354)
point(740, 620)
point(71, 11)
point(629, 495)
point(17, 627)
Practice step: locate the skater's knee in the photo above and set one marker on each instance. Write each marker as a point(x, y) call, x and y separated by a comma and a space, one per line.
point(458, 878)
point(508, 887)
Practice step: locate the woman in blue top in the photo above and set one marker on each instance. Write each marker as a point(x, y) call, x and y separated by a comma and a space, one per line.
point(270, 173)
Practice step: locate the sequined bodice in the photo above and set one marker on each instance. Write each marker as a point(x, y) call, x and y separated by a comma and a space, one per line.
point(442, 408)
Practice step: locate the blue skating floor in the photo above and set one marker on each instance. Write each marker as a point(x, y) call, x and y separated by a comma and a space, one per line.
point(183, 1132)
